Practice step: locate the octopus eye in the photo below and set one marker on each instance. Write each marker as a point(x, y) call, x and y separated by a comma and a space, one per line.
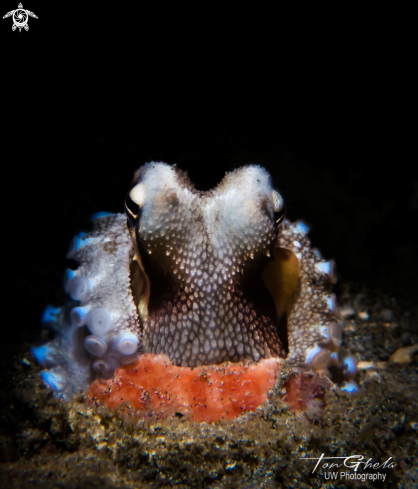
point(279, 216)
point(133, 204)
point(279, 207)
point(132, 211)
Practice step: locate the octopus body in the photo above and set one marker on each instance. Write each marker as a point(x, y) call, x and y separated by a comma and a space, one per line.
point(198, 279)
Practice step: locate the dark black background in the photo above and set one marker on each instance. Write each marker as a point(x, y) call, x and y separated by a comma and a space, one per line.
point(90, 95)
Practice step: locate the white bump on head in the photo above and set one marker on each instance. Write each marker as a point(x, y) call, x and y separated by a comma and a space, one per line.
point(137, 194)
point(156, 176)
point(160, 188)
point(242, 206)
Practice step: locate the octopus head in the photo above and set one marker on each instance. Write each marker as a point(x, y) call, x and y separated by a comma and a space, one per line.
point(200, 256)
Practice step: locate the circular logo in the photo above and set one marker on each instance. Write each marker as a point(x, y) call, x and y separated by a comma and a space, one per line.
point(20, 18)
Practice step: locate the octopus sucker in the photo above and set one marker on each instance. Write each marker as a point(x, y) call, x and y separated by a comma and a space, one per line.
point(205, 292)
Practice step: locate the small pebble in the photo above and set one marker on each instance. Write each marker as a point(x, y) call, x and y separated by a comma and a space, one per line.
point(363, 315)
point(404, 355)
point(347, 312)
point(369, 365)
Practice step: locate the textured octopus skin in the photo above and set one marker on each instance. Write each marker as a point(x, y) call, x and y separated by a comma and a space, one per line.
point(203, 248)
point(180, 280)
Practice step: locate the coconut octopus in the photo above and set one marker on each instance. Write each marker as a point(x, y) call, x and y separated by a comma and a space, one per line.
point(193, 301)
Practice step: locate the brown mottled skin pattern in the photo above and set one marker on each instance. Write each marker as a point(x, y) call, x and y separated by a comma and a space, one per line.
point(204, 254)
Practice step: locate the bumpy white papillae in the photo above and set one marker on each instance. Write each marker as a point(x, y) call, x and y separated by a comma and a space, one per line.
point(204, 244)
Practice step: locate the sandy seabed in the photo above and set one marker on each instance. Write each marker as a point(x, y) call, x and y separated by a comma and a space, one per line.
point(52, 444)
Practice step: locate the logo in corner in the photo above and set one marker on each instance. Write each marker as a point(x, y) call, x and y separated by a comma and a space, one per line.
point(20, 17)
